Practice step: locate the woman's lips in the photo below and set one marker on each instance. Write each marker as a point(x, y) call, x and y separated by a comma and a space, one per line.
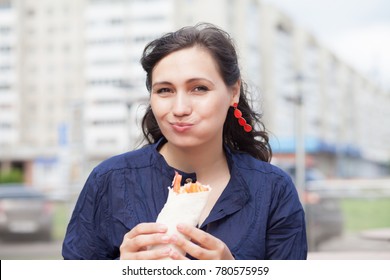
point(181, 127)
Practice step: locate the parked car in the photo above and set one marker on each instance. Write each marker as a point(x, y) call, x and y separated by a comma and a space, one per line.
point(25, 212)
point(324, 215)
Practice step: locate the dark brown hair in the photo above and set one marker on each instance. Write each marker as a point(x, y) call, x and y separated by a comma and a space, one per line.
point(221, 47)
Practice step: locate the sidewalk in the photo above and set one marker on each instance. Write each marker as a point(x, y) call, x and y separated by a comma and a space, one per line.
point(382, 234)
point(350, 255)
point(352, 247)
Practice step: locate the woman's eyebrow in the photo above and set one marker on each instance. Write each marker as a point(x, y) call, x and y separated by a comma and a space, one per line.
point(161, 83)
point(199, 80)
point(189, 81)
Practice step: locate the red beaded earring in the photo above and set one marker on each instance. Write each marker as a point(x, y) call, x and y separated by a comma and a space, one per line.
point(241, 120)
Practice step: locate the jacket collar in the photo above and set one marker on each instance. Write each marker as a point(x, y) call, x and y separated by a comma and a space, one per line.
point(235, 195)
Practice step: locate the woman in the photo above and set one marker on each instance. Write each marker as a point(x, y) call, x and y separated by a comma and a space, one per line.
point(200, 124)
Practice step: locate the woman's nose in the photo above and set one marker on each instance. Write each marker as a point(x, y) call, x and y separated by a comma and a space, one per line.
point(181, 105)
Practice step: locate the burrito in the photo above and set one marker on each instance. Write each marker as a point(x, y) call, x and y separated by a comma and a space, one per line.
point(184, 205)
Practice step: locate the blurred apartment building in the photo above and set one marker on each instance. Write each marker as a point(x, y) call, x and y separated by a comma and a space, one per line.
point(72, 90)
point(41, 74)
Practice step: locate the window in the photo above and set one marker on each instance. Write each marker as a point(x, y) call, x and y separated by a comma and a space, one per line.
point(30, 12)
point(4, 87)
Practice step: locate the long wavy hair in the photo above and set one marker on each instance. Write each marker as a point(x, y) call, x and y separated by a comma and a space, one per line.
point(221, 47)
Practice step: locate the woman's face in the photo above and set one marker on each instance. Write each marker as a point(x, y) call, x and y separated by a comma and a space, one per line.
point(189, 98)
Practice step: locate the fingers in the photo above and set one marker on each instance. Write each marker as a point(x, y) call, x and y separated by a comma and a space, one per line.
point(147, 228)
point(207, 247)
point(144, 235)
point(141, 242)
point(137, 242)
point(151, 241)
point(156, 254)
point(199, 236)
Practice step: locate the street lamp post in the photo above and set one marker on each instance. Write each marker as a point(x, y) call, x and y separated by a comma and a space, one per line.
point(299, 135)
point(300, 153)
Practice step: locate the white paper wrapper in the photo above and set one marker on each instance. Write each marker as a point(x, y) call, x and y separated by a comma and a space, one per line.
point(182, 208)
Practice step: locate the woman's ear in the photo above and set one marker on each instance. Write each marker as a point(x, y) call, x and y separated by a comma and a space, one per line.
point(236, 92)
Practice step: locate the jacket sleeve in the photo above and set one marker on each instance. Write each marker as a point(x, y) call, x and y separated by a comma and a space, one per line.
point(86, 230)
point(286, 232)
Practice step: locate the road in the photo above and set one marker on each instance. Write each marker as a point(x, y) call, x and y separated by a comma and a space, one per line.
point(352, 247)
point(25, 250)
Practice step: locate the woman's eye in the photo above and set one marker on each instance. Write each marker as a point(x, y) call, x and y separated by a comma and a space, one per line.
point(201, 88)
point(163, 90)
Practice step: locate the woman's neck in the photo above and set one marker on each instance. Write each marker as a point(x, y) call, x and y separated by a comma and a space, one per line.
point(206, 162)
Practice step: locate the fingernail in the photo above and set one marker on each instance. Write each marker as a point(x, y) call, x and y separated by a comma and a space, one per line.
point(180, 227)
point(167, 251)
point(173, 255)
point(173, 238)
point(165, 238)
point(162, 228)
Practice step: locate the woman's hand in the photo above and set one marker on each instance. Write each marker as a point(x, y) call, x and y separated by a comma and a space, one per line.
point(202, 246)
point(137, 242)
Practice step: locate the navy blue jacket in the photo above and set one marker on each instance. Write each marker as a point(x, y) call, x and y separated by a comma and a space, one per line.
point(258, 215)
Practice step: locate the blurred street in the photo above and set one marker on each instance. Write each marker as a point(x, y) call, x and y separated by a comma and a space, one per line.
point(347, 247)
point(25, 250)
point(352, 247)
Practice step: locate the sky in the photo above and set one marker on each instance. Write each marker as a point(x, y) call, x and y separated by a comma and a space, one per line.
point(357, 31)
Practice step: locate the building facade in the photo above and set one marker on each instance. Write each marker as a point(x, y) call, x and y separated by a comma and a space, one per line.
point(9, 93)
point(72, 89)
